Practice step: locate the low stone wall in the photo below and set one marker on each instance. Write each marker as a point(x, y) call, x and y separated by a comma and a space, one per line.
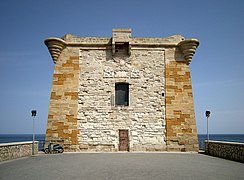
point(15, 150)
point(228, 150)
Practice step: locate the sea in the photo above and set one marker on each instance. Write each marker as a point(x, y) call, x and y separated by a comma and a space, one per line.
point(220, 137)
point(6, 138)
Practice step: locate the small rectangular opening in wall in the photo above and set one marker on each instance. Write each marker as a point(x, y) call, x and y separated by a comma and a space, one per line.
point(121, 48)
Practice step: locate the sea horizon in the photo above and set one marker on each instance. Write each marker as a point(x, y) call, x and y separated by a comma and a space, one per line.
point(197, 134)
point(8, 138)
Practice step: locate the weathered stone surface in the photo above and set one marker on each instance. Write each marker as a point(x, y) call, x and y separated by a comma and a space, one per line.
point(63, 109)
point(82, 113)
point(10, 151)
point(100, 119)
point(180, 117)
point(228, 150)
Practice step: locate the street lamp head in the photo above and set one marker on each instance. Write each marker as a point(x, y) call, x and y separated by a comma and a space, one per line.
point(207, 114)
point(33, 113)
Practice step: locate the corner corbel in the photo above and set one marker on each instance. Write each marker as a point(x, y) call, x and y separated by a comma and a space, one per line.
point(55, 47)
point(188, 48)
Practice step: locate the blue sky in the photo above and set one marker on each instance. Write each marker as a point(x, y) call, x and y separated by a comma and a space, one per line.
point(217, 68)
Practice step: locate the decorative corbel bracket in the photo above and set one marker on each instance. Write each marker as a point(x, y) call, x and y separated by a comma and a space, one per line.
point(188, 48)
point(55, 47)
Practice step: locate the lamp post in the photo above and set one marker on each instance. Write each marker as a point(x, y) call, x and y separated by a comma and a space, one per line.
point(207, 116)
point(33, 114)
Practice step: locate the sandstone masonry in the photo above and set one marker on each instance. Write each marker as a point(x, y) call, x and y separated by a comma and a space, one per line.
point(122, 93)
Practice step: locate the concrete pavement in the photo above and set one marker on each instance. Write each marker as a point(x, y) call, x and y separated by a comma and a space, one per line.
point(142, 166)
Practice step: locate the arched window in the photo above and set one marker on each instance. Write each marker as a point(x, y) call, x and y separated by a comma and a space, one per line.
point(121, 94)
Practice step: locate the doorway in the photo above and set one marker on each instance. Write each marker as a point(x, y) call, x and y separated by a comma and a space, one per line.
point(123, 140)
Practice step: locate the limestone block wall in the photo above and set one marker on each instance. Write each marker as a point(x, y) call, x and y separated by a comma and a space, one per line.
point(100, 119)
point(10, 151)
point(228, 150)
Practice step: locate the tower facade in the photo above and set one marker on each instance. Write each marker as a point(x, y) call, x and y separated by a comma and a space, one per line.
point(122, 93)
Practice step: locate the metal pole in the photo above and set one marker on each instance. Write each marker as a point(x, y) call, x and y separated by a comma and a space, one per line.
point(207, 116)
point(33, 137)
point(33, 114)
point(207, 130)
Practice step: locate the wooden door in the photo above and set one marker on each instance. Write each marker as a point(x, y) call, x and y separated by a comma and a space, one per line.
point(123, 140)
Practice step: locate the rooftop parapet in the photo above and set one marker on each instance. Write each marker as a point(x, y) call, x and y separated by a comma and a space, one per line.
point(122, 37)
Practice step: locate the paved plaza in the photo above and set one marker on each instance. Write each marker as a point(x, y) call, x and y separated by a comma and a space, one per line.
point(142, 166)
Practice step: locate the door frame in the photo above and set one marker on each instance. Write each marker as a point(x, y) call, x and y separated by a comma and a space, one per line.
point(128, 139)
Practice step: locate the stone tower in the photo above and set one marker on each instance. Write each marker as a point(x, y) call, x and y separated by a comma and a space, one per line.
point(122, 93)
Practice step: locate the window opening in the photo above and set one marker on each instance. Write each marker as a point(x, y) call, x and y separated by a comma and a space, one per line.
point(121, 49)
point(122, 94)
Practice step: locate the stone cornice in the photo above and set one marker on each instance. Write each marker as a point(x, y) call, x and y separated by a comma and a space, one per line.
point(188, 48)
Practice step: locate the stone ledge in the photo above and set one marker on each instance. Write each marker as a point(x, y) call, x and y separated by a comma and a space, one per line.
point(16, 143)
point(225, 142)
